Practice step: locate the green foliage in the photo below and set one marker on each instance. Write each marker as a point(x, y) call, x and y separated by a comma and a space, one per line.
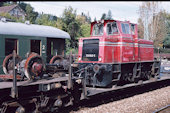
point(45, 19)
point(166, 42)
point(6, 3)
point(85, 30)
point(22, 6)
point(69, 15)
point(59, 23)
point(103, 16)
point(76, 25)
point(74, 51)
point(12, 18)
point(31, 15)
point(167, 21)
point(1, 4)
point(95, 19)
point(70, 24)
point(109, 15)
point(162, 50)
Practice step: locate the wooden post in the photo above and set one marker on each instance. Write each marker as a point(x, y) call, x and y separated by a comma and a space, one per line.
point(70, 71)
point(14, 90)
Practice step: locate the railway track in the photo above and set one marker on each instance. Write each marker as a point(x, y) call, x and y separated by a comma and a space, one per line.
point(117, 95)
point(165, 109)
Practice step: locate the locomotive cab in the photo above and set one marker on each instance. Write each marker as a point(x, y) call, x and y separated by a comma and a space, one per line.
point(103, 44)
point(112, 52)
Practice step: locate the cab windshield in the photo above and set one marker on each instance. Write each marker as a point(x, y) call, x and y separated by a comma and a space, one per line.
point(112, 28)
point(97, 29)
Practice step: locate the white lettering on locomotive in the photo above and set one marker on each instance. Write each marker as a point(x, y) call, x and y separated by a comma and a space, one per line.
point(90, 55)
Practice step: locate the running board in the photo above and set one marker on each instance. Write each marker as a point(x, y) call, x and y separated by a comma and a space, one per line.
point(93, 91)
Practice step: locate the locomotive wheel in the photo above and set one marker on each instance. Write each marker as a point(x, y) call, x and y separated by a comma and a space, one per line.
point(56, 60)
point(34, 66)
point(20, 109)
point(8, 63)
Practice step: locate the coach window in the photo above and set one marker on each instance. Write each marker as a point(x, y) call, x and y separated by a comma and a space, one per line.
point(125, 28)
point(10, 45)
point(35, 46)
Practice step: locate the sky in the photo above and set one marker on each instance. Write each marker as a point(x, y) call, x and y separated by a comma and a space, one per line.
point(125, 10)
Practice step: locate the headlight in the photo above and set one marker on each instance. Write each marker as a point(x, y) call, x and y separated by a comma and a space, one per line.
point(79, 58)
point(96, 68)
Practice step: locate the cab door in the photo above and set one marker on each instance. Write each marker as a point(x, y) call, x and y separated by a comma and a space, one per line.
point(128, 53)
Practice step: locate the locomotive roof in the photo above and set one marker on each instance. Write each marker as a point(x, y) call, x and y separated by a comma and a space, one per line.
point(13, 28)
point(111, 20)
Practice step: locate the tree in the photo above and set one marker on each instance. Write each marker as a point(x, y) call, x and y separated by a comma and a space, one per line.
point(160, 31)
point(81, 19)
point(88, 18)
point(76, 25)
point(71, 25)
point(103, 16)
point(11, 18)
point(166, 42)
point(95, 19)
point(45, 19)
point(85, 30)
point(153, 20)
point(109, 15)
point(31, 15)
point(6, 3)
point(1, 4)
point(22, 5)
point(140, 28)
point(167, 21)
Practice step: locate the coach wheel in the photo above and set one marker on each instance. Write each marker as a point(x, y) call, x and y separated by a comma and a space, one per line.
point(20, 109)
point(8, 63)
point(56, 60)
point(34, 66)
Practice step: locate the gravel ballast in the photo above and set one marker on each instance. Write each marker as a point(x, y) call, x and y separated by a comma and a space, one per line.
point(142, 103)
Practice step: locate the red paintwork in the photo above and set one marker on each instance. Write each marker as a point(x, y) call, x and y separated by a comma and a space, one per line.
point(9, 77)
point(125, 47)
point(36, 68)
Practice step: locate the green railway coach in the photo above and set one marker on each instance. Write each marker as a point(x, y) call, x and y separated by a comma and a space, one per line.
point(47, 41)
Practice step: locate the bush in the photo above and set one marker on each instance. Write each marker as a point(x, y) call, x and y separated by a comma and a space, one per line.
point(74, 51)
point(161, 50)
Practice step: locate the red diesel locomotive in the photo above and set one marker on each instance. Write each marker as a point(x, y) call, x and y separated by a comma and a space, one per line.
point(114, 55)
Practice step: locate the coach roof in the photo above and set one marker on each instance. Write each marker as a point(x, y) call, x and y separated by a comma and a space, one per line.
point(26, 29)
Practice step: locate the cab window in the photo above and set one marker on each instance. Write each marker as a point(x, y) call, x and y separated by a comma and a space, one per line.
point(125, 28)
point(97, 29)
point(112, 28)
point(133, 28)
